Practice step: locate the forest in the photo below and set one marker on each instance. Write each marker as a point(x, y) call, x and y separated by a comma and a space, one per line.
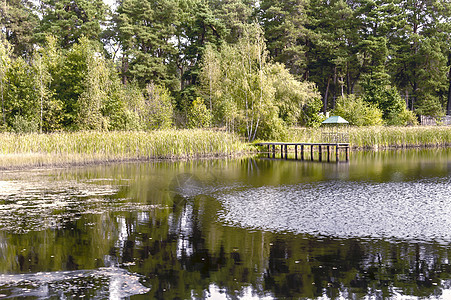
point(254, 67)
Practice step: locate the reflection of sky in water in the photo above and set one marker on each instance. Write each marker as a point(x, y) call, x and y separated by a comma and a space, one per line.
point(410, 211)
point(102, 283)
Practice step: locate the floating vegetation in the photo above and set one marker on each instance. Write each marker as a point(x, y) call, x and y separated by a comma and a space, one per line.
point(35, 205)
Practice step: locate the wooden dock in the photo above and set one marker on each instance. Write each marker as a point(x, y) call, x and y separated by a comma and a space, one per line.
point(302, 149)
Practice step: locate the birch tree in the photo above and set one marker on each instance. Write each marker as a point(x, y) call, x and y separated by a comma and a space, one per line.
point(5, 60)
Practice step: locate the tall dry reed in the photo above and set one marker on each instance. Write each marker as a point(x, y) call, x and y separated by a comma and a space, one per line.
point(56, 148)
point(382, 137)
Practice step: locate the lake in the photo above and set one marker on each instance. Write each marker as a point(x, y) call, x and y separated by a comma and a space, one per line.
point(378, 226)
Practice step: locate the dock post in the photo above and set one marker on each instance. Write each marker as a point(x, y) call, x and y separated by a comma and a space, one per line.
point(281, 151)
point(302, 152)
point(320, 153)
point(328, 153)
point(347, 153)
point(311, 152)
point(269, 151)
point(273, 151)
point(336, 153)
point(296, 152)
point(286, 151)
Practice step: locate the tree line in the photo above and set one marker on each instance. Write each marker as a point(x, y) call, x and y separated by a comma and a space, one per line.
point(253, 67)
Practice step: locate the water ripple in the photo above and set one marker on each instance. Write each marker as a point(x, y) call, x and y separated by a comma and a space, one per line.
point(418, 210)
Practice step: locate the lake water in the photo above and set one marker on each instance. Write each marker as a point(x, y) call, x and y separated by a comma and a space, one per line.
point(376, 227)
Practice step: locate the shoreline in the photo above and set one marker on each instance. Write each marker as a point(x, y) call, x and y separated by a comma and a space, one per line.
point(69, 149)
point(68, 163)
point(24, 166)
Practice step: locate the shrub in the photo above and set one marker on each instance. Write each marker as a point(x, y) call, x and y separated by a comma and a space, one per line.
point(199, 116)
point(357, 112)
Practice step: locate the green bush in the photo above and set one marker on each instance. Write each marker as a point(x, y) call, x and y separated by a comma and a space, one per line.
point(430, 106)
point(357, 112)
point(199, 116)
point(23, 125)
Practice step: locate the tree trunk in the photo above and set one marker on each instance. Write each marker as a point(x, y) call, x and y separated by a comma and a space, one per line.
point(407, 98)
point(448, 107)
point(326, 95)
point(3, 102)
point(348, 79)
point(414, 95)
point(124, 68)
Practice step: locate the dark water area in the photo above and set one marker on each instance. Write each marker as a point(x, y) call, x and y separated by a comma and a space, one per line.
point(376, 227)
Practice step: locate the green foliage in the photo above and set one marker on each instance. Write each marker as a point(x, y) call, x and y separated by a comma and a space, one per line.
point(297, 100)
point(249, 93)
point(430, 106)
point(20, 124)
point(159, 107)
point(388, 100)
point(144, 30)
point(283, 22)
point(20, 97)
point(92, 100)
point(70, 20)
point(18, 21)
point(5, 60)
point(211, 49)
point(310, 115)
point(357, 111)
point(199, 116)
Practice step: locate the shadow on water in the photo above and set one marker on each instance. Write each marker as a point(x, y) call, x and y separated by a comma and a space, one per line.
point(376, 227)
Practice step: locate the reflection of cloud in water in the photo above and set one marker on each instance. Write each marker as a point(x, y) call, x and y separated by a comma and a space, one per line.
point(102, 283)
point(401, 210)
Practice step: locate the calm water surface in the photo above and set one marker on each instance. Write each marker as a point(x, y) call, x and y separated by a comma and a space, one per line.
point(378, 227)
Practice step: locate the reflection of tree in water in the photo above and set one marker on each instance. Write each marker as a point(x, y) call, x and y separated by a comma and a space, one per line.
point(189, 252)
point(183, 251)
point(311, 268)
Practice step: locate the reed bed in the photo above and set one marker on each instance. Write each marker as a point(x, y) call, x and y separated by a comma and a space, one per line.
point(380, 137)
point(87, 147)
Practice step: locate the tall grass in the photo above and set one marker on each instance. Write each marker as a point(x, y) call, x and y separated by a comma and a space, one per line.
point(383, 137)
point(85, 147)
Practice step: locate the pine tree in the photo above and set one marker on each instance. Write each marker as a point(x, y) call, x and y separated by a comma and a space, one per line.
point(69, 20)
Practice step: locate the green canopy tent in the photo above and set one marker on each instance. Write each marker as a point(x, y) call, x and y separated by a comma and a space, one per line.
point(335, 130)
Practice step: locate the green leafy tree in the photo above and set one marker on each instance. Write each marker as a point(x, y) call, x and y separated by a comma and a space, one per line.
point(21, 100)
point(92, 100)
point(200, 28)
point(419, 65)
point(297, 101)
point(145, 29)
point(199, 116)
point(69, 20)
point(357, 111)
point(248, 92)
point(286, 36)
point(18, 21)
point(42, 81)
point(159, 107)
point(5, 60)
point(332, 48)
point(235, 15)
point(388, 100)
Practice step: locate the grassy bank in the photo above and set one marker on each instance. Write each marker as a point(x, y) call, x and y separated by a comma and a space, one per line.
point(384, 137)
point(87, 147)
